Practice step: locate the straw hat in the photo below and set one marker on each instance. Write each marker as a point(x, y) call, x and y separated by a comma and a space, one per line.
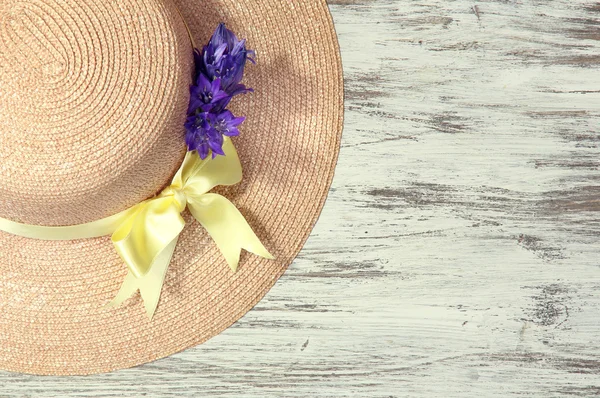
point(93, 98)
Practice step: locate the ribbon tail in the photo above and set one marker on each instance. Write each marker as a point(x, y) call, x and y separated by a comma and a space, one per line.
point(149, 285)
point(128, 288)
point(227, 226)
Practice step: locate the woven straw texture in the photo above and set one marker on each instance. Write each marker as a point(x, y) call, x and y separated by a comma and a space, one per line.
point(92, 106)
point(92, 100)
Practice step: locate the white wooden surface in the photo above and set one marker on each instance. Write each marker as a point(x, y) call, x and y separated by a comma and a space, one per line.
point(457, 255)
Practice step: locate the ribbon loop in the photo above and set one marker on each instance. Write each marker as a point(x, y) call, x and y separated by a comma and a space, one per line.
point(145, 234)
point(146, 239)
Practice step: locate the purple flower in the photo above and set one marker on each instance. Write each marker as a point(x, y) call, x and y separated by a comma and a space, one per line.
point(202, 136)
point(205, 131)
point(225, 42)
point(206, 95)
point(219, 71)
point(224, 36)
point(230, 71)
point(226, 124)
point(225, 57)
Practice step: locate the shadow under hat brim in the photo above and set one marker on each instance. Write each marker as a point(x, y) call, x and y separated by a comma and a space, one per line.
point(53, 318)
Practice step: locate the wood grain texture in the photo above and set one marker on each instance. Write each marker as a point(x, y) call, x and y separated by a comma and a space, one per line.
point(457, 255)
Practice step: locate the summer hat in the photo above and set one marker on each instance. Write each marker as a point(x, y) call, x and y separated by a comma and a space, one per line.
point(121, 165)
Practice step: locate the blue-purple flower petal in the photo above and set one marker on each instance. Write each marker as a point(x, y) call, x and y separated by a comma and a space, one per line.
point(226, 124)
point(225, 57)
point(206, 94)
point(239, 89)
point(218, 74)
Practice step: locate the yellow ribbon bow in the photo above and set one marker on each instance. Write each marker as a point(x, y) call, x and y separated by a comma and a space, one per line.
point(145, 236)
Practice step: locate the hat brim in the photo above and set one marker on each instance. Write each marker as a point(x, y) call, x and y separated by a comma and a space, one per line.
point(53, 318)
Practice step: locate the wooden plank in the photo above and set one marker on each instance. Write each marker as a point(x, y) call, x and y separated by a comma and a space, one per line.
point(458, 252)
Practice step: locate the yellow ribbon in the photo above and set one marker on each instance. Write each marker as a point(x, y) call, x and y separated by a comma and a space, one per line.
point(145, 236)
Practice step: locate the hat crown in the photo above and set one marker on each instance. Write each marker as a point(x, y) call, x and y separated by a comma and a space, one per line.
point(93, 98)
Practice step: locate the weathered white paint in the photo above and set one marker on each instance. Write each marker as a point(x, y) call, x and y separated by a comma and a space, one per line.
point(458, 252)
